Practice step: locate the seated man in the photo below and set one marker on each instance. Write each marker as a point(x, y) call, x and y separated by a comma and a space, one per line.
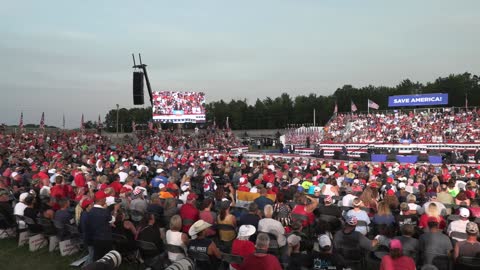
point(434, 243)
point(270, 225)
point(469, 247)
point(459, 225)
point(260, 259)
point(350, 239)
point(63, 217)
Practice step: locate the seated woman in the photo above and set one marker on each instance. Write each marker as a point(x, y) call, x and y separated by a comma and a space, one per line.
point(383, 215)
point(201, 245)
point(176, 237)
point(432, 211)
point(226, 218)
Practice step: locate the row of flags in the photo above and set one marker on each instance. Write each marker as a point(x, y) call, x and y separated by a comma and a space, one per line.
point(353, 107)
point(42, 122)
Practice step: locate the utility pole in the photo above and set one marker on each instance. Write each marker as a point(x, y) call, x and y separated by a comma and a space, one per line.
point(118, 106)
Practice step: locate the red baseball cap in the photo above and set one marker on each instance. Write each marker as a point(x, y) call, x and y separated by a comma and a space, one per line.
point(100, 195)
point(390, 192)
point(86, 203)
point(192, 196)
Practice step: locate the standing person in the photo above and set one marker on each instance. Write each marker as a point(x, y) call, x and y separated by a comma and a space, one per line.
point(261, 259)
point(360, 215)
point(396, 260)
point(99, 228)
point(189, 212)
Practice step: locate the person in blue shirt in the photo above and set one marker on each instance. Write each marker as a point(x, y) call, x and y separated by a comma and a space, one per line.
point(159, 179)
point(263, 200)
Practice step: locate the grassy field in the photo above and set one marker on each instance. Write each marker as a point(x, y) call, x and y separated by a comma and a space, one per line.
point(13, 258)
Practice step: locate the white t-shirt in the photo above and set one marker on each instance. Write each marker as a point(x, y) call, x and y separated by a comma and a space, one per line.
point(175, 238)
point(347, 200)
point(123, 176)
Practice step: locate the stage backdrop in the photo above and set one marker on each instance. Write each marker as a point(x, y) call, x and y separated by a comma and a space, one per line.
point(418, 100)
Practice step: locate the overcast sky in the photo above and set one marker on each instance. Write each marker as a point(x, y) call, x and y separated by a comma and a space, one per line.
point(74, 57)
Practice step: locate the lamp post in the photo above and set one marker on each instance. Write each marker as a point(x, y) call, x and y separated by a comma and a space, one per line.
point(118, 106)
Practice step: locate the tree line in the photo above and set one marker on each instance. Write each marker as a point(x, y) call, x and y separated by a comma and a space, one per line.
point(284, 110)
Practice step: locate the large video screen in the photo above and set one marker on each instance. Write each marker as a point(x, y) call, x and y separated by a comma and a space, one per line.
point(178, 107)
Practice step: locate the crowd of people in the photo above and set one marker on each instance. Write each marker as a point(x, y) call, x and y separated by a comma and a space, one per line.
point(206, 207)
point(171, 103)
point(423, 126)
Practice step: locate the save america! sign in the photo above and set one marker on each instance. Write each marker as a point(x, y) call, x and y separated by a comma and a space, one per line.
point(418, 100)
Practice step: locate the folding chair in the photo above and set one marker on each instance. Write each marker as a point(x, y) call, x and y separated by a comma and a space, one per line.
point(198, 257)
point(273, 247)
point(151, 255)
point(468, 263)
point(230, 258)
point(6, 226)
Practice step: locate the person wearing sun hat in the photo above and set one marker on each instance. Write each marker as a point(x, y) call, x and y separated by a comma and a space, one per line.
point(200, 244)
point(396, 260)
point(471, 246)
point(242, 246)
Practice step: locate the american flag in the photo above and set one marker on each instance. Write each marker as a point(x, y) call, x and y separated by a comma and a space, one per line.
point(20, 125)
point(373, 105)
point(82, 124)
point(353, 107)
point(42, 121)
point(335, 110)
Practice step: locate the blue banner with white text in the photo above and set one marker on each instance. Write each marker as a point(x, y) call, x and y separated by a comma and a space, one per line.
point(418, 100)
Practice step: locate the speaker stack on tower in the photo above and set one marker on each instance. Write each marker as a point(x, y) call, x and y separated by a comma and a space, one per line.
point(138, 88)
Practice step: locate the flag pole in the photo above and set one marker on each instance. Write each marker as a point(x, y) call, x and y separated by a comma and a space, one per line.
point(368, 107)
point(314, 122)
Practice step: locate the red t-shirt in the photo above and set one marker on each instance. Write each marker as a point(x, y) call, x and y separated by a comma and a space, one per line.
point(242, 248)
point(58, 192)
point(243, 188)
point(116, 186)
point(266, 262)
point(188, 211)
point(79, 180)
point(475, 211)
point(402, 263)
point(300, 210)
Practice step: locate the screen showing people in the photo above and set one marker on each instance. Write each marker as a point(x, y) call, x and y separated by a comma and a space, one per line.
point(179, 107)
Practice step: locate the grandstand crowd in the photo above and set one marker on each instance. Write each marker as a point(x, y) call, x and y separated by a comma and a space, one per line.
point(167, 202)
point(445, 125)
